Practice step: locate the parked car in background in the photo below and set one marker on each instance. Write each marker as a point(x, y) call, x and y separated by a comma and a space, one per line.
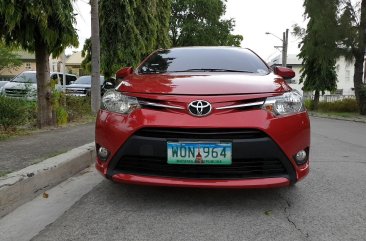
point(215, 117)
point(82, 86)
point(2, 83)
point(24, 85)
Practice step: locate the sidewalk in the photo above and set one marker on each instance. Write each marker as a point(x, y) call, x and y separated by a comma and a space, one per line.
point(20, 152)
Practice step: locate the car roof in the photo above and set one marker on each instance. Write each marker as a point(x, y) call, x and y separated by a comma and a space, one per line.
point(33, 72)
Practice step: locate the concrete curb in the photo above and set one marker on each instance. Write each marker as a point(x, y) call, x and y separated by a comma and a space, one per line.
point(22, 186)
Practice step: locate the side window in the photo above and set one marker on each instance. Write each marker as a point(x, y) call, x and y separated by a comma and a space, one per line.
point(55, 78)
point(70, 78)
point(61, 76)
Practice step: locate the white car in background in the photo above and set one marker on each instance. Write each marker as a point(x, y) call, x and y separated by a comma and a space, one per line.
point(24, 85)
point(82, 86)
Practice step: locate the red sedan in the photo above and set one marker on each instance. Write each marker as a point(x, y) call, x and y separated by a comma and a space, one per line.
point(203, 117)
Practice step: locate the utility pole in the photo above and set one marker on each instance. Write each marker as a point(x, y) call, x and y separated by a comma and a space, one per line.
point(63, 84)
point(95, 42)
point(284, 46)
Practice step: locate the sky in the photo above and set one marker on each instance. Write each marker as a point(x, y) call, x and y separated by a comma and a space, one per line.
point(253, 18)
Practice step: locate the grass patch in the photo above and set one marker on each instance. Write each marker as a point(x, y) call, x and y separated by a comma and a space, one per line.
point(4, 173)
point(50, 155)
point(4, 135)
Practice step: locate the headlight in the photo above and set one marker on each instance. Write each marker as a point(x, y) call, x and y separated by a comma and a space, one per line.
point(115, 101)
point(288, 103)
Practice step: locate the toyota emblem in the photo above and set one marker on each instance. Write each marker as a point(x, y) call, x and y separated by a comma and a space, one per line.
point(199, 108)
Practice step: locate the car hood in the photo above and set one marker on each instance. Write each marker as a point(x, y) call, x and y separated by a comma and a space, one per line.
point(78, 86)
point(20, 86)
point(203, 84)
point(2, 83)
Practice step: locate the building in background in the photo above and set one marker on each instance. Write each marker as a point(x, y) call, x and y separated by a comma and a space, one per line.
point(73, 64)
point(28, 63)
point(345, 71)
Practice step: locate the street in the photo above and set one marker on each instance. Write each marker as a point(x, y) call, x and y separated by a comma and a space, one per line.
point(329, 204)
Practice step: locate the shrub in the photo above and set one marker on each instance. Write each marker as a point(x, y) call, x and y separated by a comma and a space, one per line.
point(78, 107)
point(345, 105)
point(62, 116)
point(15, 112)
point(309, 104)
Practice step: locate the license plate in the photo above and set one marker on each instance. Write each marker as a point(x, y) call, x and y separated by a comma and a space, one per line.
point(194, 153)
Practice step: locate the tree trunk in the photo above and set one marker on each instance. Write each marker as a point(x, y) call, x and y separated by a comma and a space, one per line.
point(95, 42)
point(360, 88)
point(316, 100)
point(44, 112)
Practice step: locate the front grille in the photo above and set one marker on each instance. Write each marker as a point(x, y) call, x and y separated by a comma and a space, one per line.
point(16, 92)
point(254, 155)
point(240, 168)
point(75, 91)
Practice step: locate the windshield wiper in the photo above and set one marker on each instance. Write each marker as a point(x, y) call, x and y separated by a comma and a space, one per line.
point(213, 70)
point(152, 72)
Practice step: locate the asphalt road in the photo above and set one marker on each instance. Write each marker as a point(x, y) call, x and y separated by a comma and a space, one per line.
point(328, 205)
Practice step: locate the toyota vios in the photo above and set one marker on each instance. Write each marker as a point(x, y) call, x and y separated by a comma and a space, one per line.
point(203, 117)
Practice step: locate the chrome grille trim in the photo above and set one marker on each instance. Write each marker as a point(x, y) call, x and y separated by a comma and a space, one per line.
point(258, 103)
point(141, 102)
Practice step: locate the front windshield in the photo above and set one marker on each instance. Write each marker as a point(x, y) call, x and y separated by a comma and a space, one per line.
point(25, 78)
point(205, 59)
point(86, 80)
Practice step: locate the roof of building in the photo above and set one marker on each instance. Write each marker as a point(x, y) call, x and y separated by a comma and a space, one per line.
point(75, 59)
point(292, 59)
point(25, 55)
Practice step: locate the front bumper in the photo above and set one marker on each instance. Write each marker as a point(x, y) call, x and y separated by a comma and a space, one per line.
point(137, 155)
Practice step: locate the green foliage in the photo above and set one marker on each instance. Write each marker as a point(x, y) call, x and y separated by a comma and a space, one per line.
point(345, 105)
point(50, 22)
point(131, 29)
point(318, 46)
point(309, 105)
point(78, 107)
point(62, 116)
point(86, 54)
point(200, 23)
point(335, 28)
point(163, 14)
point(14, 112)
point(45, 27)
point(20, 112)
point(8, 59)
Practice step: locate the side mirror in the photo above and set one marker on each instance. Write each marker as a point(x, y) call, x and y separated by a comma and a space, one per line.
point(122, 73)
point(284, 72)
point(108, 85)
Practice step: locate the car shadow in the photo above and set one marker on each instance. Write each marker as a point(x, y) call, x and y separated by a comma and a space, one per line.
point(136, 197)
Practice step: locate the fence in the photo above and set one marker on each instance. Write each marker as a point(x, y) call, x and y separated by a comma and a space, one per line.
point(330, 98)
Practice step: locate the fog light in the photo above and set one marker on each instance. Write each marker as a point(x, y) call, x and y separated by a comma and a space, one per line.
point(103, 153)
point(301, 157)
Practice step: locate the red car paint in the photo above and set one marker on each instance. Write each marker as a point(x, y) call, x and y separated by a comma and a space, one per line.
point(290, 132)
